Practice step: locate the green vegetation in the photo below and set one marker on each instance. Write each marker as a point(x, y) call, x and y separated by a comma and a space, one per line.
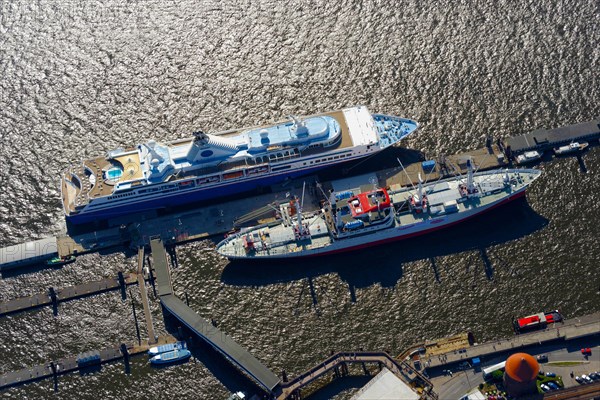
point(565, 363)
point(497, 376)
point(490, 388)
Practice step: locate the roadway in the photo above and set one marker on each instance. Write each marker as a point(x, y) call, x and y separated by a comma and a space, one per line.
point(461, 382)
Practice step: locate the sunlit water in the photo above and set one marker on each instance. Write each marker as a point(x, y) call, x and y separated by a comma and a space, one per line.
point(78, 79)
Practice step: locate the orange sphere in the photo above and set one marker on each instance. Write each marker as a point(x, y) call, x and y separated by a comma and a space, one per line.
point(521, 367)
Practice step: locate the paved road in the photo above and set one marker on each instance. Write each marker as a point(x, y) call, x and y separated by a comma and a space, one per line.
point(463, 381)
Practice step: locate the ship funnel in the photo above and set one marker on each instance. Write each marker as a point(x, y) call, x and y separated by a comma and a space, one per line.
point(200, 138)
point(264, 136)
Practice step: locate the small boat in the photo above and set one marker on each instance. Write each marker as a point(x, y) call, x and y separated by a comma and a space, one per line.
point(537, 321)
point(170, 357)
point(166, 347)
point(528, 156)
point(573, 147)
point(60, 261)
point(237, 396)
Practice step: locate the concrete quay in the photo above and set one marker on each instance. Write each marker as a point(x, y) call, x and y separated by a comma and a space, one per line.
point(572, 329)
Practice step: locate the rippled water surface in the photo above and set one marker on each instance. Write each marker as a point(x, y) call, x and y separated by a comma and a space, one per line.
point(80, 78)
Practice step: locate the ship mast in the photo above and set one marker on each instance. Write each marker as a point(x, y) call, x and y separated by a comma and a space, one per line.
point(470, 184)
point(420, 189)
point(299, 210)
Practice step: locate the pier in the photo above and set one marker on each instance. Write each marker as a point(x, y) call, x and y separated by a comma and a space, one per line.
point(340, 361)
point(144, 296)
point(69, 364)
point(204, 329)
point(55, 296)
point(546, 139)
point(29, 253)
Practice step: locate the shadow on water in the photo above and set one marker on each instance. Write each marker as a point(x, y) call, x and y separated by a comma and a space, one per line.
point(224, 371)
point(383, 264)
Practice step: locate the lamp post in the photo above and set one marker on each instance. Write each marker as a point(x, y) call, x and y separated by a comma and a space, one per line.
point(467, 375)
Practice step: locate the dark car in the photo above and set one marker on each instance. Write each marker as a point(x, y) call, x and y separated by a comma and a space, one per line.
point(553, 385)
point(542, 358)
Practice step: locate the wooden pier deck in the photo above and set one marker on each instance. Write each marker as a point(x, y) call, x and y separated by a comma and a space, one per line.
point(65, 294)
point(445, 167)
point(69, 364)
point(144, 296)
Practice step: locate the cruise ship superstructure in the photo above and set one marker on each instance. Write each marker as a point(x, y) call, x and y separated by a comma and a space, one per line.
point(152, 175)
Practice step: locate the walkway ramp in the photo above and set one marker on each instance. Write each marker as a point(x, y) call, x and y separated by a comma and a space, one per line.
point(220, 341)
point(163, 276)
point(226, 345)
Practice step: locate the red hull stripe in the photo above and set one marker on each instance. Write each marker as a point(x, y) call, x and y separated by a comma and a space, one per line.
point(379, 242)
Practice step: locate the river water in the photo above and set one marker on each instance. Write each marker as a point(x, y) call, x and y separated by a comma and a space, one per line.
point(80, 78)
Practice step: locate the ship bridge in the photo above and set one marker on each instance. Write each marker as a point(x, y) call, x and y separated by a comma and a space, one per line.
point(322, 129)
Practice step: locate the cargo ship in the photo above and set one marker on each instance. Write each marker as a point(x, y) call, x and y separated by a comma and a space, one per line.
point(536, 321)
point(154, 176)
point(369, 216)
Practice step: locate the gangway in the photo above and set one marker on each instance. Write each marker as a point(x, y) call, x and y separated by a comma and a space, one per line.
point(239, 356)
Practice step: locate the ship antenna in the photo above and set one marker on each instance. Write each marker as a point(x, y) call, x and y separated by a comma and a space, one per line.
point(200, 137)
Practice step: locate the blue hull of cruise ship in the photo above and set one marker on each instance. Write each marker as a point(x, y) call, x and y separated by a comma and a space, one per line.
point(189, 196)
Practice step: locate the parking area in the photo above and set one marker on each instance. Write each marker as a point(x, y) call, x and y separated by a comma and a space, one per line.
point(566, 360)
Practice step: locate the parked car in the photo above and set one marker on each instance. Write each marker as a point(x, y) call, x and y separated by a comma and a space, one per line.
point(553, 385)
point(586, 378)
point(586, 351)
point(595, 375)
point(544, 387)
point(542, 358)
point(579, 379)
point(551, 374)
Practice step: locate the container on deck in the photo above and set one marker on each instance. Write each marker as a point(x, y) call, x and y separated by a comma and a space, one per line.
point(428, 166)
